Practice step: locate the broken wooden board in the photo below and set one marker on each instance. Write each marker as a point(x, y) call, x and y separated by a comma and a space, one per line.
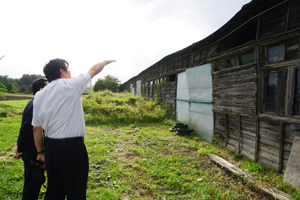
point(270, 191)
point(292, 173)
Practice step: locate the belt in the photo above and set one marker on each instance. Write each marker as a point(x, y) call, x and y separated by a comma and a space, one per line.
point(64, 139)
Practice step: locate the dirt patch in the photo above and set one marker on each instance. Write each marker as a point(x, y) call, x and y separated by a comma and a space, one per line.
point(10, 153)
point(9, 98)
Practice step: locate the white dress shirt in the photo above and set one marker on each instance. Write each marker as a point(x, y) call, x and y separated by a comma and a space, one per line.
point(58, 108)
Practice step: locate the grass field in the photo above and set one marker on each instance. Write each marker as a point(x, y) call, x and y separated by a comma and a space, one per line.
point(143, 161)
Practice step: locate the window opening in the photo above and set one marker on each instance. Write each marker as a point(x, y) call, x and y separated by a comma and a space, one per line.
point(231, 62)
point(246, 58)
point(276, 54)
point(296, 104)
point(271, 92)
point(172, 78)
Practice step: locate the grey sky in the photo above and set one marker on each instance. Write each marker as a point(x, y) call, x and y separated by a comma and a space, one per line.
point(137, 33)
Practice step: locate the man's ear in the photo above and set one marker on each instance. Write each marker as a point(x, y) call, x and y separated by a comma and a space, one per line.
point(62, 72)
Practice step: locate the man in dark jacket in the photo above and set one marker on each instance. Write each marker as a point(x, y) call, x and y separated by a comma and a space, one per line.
point(26, 147)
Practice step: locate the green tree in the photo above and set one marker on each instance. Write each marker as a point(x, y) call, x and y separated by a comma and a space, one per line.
point(27, 79)
point(2, 90)
point(14, 85)
point(29, 88)
point(23, 89)
point(9, 87)
point(109, 82)
point(6, 80)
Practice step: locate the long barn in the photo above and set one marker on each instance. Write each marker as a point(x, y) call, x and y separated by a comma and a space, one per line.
point(241, 83)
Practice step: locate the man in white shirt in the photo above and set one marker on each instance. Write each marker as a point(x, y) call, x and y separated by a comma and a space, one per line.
point(58, 110)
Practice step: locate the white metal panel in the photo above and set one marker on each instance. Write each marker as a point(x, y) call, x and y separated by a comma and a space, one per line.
point(131, 89)
point(182, 111)
point(195, 84)
point(182, 86)
point(201, 120)
point(200, 83)
point(139, 88)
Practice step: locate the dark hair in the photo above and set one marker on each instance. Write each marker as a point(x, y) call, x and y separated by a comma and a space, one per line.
point(52, 69)
point(37, 84)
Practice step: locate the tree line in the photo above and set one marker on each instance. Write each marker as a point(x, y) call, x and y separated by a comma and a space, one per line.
point(23, 84)
point(19, 85)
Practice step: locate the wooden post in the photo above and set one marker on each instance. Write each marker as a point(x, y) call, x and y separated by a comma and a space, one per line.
point(226, 126)
point(287, 16)
point(240, 133)
point(258, 27)
point(256, 140)
point(299, 49)
point(214, 115)
point(280, 164)
point(260, 83)
point(193, 57)
point(187, 61)
point(290, 89)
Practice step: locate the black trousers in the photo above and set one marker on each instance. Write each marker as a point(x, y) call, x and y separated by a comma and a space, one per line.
point(67, 169)
point(31, 189)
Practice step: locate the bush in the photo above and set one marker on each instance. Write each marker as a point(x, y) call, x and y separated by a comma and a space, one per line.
point(106, 107)
point(3, 113)
point(2, 90)
point(12, 88)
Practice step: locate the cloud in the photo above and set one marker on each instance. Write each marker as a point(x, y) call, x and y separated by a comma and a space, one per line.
point(137, 33)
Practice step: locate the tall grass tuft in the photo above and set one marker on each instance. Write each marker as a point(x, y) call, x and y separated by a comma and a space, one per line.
point(106, 107)
point(12, 108)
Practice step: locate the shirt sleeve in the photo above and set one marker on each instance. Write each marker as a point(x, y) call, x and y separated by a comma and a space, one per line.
point(82, 82)
point(35, 121)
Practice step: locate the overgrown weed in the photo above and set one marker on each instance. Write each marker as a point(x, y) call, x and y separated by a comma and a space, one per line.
point(105, 107)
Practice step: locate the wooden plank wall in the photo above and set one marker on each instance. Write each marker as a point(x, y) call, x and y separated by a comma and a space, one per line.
point(262, 139)
point(271, 24)
point(235, 89)
point(290, 131)
point(268, 148)
point(248, 137)
point(294, 15)
point(235, 103)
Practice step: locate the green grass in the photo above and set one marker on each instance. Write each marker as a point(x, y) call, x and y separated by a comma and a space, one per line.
point(11, 173)
point(15, 103)
point(144, 161)
point(10, 126)
point(9, 131)
point(11, 108)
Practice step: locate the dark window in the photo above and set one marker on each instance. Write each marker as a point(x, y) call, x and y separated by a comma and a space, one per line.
point(231, 62)
point(271, 92)
point(276, 54)
point(172, 78)
point(296, 104)
point(246, 58)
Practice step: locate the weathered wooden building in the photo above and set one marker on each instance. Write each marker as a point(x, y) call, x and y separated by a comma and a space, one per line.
point(255, 70)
